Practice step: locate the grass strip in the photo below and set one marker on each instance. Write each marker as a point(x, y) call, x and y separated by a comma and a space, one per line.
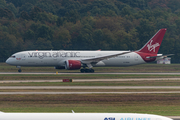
point(138, 68)
point(79, 76)
point(162, 104)
point(106, 83)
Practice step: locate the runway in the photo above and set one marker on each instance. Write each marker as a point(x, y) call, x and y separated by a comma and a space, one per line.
point(174, 89)
point(87, 87)
point(78, 73)
point(56, 93)
point(90, 80)
point(14, 90)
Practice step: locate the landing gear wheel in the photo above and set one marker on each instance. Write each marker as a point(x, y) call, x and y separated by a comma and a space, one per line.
point(19, 70)
point(91, 70)
point(87, 70)
point(82, 70)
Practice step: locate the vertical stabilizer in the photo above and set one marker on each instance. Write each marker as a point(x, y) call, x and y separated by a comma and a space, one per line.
point(153, 45)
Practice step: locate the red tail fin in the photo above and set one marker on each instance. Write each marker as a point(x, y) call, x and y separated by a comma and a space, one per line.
point(153, 45)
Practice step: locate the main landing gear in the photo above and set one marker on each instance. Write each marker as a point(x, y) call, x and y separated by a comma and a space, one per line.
point(84, 70)
point(19, 68)
point(87, 70)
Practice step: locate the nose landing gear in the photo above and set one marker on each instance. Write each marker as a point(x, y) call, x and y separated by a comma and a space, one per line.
point(19, 68)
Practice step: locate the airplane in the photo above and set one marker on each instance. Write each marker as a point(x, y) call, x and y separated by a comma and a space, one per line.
point(80, 116)
point(72, 60)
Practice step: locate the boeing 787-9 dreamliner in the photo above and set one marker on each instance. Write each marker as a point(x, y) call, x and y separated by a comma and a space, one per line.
point(72, 60)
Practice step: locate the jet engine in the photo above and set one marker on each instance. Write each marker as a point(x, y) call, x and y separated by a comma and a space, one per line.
point(72, 64)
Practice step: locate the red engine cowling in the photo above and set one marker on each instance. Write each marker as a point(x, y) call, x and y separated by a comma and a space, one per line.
point(72, 64)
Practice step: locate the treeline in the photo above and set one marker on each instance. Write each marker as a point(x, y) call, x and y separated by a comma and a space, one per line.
point(87, 25)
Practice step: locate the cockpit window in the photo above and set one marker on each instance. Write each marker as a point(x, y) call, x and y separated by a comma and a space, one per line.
point(13, 56)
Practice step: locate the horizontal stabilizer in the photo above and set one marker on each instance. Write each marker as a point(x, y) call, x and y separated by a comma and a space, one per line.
point(164, 56)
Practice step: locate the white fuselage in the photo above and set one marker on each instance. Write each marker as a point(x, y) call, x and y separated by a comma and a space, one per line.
point(80, 116)
point(58, 58)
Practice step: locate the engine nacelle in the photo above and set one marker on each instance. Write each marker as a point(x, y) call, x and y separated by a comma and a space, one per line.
point(72, 64)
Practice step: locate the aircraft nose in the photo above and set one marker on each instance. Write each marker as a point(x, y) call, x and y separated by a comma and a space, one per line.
point(7, 61)
point(10, 61)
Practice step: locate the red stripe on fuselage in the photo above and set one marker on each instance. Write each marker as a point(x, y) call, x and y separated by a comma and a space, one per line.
point(145, 56)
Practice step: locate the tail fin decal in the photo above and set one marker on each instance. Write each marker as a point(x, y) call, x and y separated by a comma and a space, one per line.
point(153, 45)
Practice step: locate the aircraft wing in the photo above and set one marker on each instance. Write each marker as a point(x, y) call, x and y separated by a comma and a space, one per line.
point(97, 59)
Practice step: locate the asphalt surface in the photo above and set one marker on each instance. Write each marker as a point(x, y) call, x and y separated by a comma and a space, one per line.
point(56, 93)
point(39, 73)
point(89, 87)
point(89, 80)
point(176, 88)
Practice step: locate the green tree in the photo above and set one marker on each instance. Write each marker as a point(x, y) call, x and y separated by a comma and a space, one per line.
point(29, 35)
point(142, 4)
point(145, 31)
point(108, 40)
point(27, 7)
point(97, 36)
point(101, 7)
point(85, 40)
point(7, 44)
point(13, 9)
point(2, 3)
point(43, 44)
point(6, 13)
point(34, 12)
point(61, 39)
point(72, 16)
point(24, 15)
point(44, 31)
point(126, 11)
point(121, 40)
point(47, 5)
point(59, 21)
